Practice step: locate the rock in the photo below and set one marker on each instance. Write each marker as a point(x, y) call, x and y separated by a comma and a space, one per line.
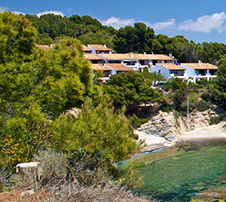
point(28, 192)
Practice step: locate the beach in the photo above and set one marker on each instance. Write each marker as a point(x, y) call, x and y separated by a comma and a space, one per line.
point(153, 142)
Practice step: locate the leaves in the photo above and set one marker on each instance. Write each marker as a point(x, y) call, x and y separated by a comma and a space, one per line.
point(131, 89)
point(96, 130)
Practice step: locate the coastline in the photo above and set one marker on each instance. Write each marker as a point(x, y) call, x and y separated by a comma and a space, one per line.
point(212, 132)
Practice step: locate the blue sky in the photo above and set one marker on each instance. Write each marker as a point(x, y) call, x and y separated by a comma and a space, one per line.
point(197, 20)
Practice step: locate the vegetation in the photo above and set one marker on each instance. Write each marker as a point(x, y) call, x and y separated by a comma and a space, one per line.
point(52, 27)
point(137, 38)
point(131, 90)
point(37, 88)
point(58, 180)
point(96, 130)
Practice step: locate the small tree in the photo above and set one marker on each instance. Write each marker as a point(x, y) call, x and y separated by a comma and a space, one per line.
point(130, 90)
point(97, 130)
point(219, 87)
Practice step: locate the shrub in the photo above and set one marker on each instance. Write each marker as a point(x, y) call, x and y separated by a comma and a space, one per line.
point(137, 122)
point(215, 119)
point(166, 108)
point(202, 106)
point(205, 97)
point(202, 82)
point(4, 177)
point(97, 130)
point(52, 169)
point(84, 180)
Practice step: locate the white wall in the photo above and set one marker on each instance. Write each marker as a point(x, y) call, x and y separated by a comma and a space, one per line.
point(190, 72)
point(163, 71)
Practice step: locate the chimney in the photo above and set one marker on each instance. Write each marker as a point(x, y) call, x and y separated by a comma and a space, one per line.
point(105, 46)
point(131, 54)
point(170, 55)
point(144, 53)
point(200, 62)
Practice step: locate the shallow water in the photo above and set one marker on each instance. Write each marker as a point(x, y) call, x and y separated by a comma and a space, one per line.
point(184, 171)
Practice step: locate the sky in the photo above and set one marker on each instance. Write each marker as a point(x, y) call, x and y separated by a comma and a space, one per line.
point(197, 20)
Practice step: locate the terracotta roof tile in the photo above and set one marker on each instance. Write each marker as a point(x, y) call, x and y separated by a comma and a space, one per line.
point(98, 47)
point(131, 56)
point(85, 48)
point(99, 67)
point(200, 65)
point(171, 66)
point(43, 47)
point(117, 56)
point(92, 57)
point(119, 67)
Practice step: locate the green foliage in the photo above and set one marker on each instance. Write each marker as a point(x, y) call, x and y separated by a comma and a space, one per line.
point(220, 82)
point(179, 91)
point(57, 79)
point(152, 76)
point(35, 85)
point(137, 122)
point(17, 37)
point(202, 106)
point(22, 136)
point(97, 130)
point(86, 29)
point(131, 89)
point(215, 119)
point(133, 39)
point(205, 97)
point(165, 107)
point(202, 82)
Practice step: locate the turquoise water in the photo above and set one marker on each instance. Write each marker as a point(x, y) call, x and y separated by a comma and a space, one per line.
point(184, 172)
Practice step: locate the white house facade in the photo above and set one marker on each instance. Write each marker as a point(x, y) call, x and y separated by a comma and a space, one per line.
point(137, 61)
point(199, 71)
point(169, 70)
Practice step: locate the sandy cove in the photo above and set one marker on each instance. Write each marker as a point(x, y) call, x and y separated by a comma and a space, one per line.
point(204, 133)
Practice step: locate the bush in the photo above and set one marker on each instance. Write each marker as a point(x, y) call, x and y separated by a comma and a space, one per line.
point(205, 97)
point(52, 169)
point(137, 122)
point(202, 82)
point(166, 108)
point(215, 119)
point(4, 178)
point(202, 106)
point(79, 182)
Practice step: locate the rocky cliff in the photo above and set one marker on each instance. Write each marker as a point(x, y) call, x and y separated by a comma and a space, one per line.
point(165, 128)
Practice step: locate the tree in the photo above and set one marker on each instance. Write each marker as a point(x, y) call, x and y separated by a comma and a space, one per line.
point(152, 76)
point(17, 37)
point(220, 83)
point(23, 133)
point(179, 90)
point(137, 38)
point(36, 86)
point(131, 89)
point(64, 77)
point(124, 40)
point(96, 130)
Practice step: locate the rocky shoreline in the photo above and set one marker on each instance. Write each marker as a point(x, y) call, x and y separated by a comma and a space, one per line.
point(166, 129)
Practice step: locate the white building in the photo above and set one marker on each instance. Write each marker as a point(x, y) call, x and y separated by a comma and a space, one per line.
point(169, 70)
point(199, 71)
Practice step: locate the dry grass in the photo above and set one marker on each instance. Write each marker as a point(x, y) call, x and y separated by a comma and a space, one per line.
point(58, 183)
